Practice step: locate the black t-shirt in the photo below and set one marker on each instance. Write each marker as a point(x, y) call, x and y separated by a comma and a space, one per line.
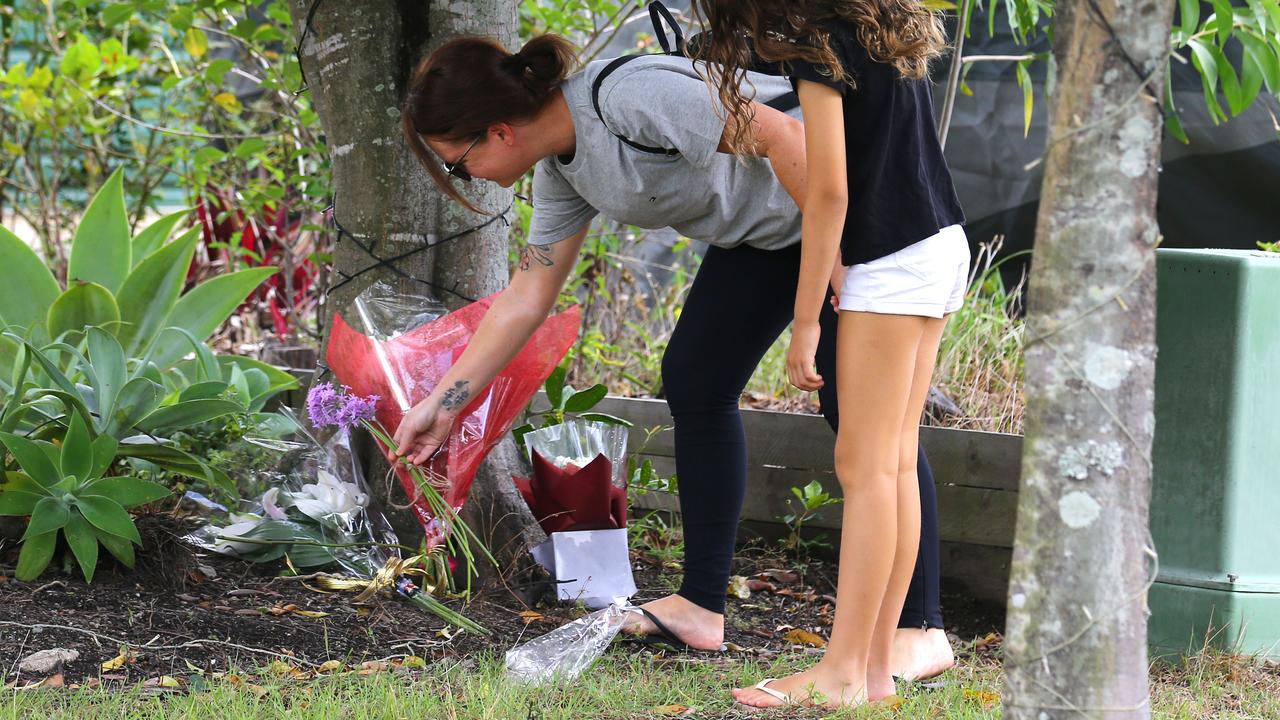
point(900, 190)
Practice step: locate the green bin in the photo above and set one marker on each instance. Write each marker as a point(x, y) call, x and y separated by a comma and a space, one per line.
point(1215, 505)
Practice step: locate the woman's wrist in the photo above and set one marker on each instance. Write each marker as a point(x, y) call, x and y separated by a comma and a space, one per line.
point(452, 398)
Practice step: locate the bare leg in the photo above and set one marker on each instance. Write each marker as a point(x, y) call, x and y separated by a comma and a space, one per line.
point(879, 667)
point(877, 361)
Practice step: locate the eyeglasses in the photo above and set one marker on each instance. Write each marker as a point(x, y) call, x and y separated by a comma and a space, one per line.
point(457, 168)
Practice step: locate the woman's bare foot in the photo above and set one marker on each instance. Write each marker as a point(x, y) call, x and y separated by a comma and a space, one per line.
point(695, 625)
point(816, 686)
point(920, 654)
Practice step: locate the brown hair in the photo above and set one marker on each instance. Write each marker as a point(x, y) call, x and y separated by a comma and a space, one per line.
point(902, 33)
point(470, 83)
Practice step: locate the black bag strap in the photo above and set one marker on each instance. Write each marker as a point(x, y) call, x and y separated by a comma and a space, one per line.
point(658, 13)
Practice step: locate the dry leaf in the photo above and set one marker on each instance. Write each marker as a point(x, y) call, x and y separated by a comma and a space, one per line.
point(738, 587)
point(117, 662)
point(53, 681)
point(329, 666)
point(164, 681)
point(259, 692)
point(412, 661)
point(370, 667)
point(893, 703)
point(672, 709)
point(804, 637)
point(311, 613)
point(985, 697)
point(990, 639)
point(755, 585)
point(529, 616)
point(782, 576)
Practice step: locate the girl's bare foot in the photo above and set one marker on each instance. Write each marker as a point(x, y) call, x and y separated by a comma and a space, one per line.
point(920, 654)
point(813, 687)
point(695, 625)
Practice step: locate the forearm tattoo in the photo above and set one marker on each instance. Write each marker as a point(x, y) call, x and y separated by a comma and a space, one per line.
point(535, 254)
point(456, 396)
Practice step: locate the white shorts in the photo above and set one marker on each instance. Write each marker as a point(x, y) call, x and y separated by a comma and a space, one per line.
point(928, 278)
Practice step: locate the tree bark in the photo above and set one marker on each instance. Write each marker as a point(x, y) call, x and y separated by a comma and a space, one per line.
point(357, 59)
point(1076, 637)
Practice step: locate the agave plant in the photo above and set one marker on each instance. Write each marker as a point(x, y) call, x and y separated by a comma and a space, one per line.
point(64, 490)
point(130, 400)
point(132, 286)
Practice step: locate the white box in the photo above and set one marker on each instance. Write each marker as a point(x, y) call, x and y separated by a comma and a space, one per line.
point(595, 563)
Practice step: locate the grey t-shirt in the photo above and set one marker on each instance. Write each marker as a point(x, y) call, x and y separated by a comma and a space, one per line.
point(660, 101)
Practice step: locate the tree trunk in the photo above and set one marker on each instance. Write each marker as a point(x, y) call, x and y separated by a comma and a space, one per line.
point(357, 59)
point(1082, 561)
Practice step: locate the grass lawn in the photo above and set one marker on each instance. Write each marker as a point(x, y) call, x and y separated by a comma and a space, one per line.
point(623, 685)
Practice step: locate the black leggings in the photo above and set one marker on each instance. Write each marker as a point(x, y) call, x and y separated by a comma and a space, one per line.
point(741, 301)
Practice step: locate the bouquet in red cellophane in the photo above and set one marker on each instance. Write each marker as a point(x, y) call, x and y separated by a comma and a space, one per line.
point(399, 347)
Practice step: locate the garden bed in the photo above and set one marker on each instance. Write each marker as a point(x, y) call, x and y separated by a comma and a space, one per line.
point(185, 614)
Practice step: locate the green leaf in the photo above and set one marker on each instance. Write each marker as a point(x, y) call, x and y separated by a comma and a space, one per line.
point(108, 516)
point(248, 147)
point(116, 13)
point(19, 502)
point(151, 291)
point(1171, 119)
point(101, 251)
point(35, 556)
point(84, 304)
point(203, 310)
point(1188, 16)
point(110, 366)
point(77, 450)
point(606, 418)
point(1231, 87)
point(33, 460)
point(138, 399)
point(1264, 58)
point(121, 548)
point(55, 373)
point(209, 390)
point(28, 288)
point(555, 387)
point(156, 235)
point(1204, 61)
point(186, 414)
point(50, 514)
point(586, 399)
point(1028, 98)
point(128, 491)
point(84, 544)
point(104, 453)
point(1225, 17)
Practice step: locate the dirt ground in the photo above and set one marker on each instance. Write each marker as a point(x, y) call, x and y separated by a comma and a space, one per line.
point(184, 611)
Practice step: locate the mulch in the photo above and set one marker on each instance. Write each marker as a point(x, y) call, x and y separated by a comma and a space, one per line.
point(184, 612)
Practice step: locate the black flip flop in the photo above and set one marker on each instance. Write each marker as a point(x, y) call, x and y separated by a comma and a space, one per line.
point(666, 637)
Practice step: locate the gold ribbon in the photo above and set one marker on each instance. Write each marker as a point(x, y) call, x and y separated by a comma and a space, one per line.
point(432, 576)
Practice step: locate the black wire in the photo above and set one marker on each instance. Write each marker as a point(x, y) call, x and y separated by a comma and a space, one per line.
point(1145, 77)
point(297, 49)
point(389, 263)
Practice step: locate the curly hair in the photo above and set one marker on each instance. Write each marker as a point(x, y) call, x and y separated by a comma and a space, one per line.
point(902, 33)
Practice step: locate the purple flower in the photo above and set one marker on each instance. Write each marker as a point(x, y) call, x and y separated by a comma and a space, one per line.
point(327, 405)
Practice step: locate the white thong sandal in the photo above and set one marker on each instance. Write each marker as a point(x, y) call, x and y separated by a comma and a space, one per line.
point(762, 686)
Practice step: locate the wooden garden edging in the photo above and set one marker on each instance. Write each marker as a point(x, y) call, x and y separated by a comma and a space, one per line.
point(976, 474)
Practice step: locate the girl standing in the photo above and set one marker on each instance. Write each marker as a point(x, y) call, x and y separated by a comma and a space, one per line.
point(880, 197)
